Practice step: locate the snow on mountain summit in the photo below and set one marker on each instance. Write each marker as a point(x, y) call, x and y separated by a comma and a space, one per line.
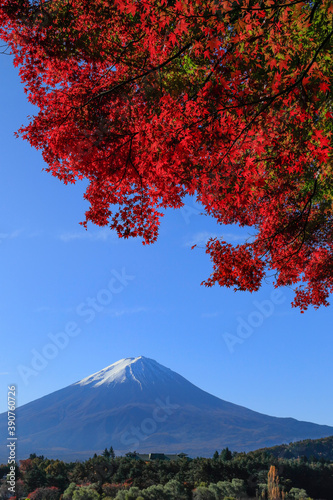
point(140, 370)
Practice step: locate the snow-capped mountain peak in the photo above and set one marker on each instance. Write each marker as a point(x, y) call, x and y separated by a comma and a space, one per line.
point(137, 370)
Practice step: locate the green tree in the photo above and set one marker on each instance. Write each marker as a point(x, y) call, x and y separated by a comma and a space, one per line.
point(68, 493)
point(99, 469)
point(203, 493)
point(85, 493)
point(297, 494)
point(35, 478)
point(156, 492)
point(226, 454)
point(131, 494)
point(79, 474)
point(57, 474)
point(235, 488)
point(217, 492)
point(175, 489)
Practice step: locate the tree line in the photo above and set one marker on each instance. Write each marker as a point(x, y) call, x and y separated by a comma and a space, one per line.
point(224, 476)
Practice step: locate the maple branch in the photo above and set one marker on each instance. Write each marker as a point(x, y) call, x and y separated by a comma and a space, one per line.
point(275, 7)
point(279, 94)
point(313, 11)
point(300, 216)
point(4, 51)
point(148, 72)
point(217, 63)
point(285, 229)
point(127, 160)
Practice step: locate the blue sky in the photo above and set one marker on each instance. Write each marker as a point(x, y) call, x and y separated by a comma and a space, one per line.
point(102, 299)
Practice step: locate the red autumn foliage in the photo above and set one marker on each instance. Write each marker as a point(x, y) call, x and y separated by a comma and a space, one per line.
point(45, 493)
point(229, 101)
point(26, 465)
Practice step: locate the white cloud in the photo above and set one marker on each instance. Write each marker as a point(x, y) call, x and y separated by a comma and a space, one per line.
point(10, 236)
point(211, 314)
point(20, 232)
point(101, 235)
point(34, 234)
point(52, 310)
point(126, 311)
point(43, 309)
point(200, 239)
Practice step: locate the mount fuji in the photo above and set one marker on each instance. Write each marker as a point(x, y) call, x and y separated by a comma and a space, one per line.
point(138, 404)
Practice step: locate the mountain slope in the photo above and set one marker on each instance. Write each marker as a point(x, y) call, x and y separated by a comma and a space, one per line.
point(138, 404)
point(310, 448)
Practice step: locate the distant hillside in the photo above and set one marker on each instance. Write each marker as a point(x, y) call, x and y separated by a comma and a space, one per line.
point(317, 448)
